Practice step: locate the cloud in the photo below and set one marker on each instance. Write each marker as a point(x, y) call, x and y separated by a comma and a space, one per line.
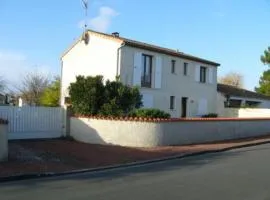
point(102, 21)
point(15, 65)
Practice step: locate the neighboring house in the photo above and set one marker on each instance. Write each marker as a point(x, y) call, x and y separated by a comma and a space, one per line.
point(6, 100)
point(2, 99)
point(178, 83)
point(233, 97)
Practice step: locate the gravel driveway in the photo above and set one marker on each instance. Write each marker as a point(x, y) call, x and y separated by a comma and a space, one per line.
point(59, 155)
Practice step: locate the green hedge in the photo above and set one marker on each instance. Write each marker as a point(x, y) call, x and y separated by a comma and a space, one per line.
point(149, 112)
point(210, 115)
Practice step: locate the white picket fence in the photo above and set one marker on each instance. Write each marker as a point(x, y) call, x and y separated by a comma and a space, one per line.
point(33, 122)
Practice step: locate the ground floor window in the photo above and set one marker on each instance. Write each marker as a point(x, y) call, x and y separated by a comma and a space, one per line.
point(172, 102)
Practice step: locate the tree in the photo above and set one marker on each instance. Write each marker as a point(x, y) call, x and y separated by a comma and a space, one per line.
point(89, 96)
point(264, 83)
point(2, 84)
point(233, 79)
point(51, 94)
point(265, 58)
point(32, 87)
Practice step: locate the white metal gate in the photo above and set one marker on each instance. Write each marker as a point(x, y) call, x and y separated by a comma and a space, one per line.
point(33, 122)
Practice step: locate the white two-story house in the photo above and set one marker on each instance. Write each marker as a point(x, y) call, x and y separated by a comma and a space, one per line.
point(180, 84)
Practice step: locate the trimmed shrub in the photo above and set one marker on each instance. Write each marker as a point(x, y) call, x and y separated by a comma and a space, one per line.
point(210, 115)
point(149, 113)
point(89, 96)
point(120, 99)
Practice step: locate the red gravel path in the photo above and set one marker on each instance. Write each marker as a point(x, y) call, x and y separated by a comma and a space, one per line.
point(63, 155)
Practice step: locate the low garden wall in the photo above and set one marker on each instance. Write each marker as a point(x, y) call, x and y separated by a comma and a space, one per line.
point(245, 112)
point(3, 140)
point(163, 132)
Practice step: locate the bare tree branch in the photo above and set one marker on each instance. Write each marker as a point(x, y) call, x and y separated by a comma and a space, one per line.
point(32, 87)
point(233, 79)
point(2, 84)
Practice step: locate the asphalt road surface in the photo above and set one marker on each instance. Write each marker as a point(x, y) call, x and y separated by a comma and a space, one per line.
point(238, 174)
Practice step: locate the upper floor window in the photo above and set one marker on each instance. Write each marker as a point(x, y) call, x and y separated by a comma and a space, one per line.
point(202, 74)
point(146, 75)
point(173, 66)
point(185, 68)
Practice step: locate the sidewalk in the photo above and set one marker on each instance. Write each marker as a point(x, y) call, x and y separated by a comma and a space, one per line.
point(55, 156)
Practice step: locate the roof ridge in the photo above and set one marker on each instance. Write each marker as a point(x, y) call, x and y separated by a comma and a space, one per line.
point(157, 47)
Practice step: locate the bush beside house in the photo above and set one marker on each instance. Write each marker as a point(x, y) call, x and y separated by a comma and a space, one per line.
point(149, 112)
point(90, 96)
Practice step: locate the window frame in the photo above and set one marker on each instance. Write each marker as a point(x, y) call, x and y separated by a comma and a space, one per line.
point(144, 83)
point(185, 70)
point(203, 71)
point(173, 62)
point(172, 102)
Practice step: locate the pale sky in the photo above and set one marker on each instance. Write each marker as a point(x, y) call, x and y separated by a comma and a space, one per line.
point(234, 33)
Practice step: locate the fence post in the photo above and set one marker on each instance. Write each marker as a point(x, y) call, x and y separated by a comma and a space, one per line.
point(67, 115)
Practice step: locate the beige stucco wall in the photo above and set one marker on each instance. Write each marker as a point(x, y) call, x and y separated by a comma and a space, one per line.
point(3, 142)
point(151, 134)
point(115, 132)
point(245, 112)
point(220, 105)
point(177, 84)
point(98, 57)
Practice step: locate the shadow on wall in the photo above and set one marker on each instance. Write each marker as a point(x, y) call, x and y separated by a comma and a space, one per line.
point(82, 132)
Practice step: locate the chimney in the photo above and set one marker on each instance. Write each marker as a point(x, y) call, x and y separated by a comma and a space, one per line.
point(115, 34)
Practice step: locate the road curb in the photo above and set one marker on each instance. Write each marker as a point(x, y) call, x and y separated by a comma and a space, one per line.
point(132, 164)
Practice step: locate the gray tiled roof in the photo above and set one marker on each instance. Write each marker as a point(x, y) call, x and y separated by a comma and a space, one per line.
point(239, 92)
point(159, 49)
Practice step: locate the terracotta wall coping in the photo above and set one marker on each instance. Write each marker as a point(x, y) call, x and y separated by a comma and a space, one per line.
point(141, 119)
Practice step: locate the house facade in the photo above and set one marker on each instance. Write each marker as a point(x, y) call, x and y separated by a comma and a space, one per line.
point(178, 83)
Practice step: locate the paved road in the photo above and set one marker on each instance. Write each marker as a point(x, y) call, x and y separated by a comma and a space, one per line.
point(238, 174)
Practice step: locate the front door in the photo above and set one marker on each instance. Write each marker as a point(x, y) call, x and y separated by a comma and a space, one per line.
point(184, 107)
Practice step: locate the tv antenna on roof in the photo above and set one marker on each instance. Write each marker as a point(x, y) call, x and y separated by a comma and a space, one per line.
point(85, 6)
point(85, 35)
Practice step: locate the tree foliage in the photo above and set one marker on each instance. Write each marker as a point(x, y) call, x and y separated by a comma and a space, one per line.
point(264, 83)
point(51, 95)
point(32, 87)
point(265, 58)
point(233, 79)
point(2, 84)
point(149, 112)
point(89, 96)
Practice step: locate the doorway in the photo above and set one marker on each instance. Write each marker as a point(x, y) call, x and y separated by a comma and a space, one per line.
point(184, 107)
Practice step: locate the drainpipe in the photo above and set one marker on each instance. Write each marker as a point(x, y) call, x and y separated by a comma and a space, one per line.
point(118, 62)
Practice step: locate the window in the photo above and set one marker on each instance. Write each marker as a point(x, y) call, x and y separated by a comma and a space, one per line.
point(146, 75)
point(173, 67)
point(203, 74)
point(185, 68)
point(172, 102)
